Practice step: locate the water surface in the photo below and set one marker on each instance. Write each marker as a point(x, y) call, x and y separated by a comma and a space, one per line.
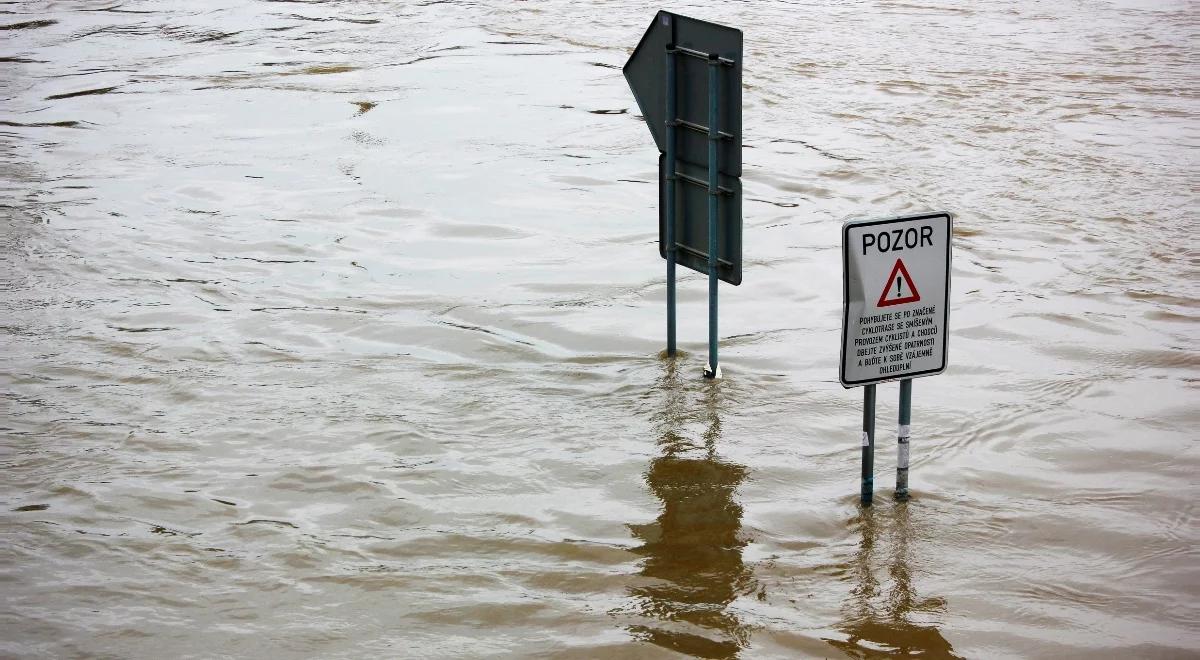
point(332, 329)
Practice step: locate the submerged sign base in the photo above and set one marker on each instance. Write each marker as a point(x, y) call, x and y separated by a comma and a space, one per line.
point(896, 298)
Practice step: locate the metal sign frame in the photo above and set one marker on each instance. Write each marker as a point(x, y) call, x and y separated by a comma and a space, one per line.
point(690, 232)
point(692, 42)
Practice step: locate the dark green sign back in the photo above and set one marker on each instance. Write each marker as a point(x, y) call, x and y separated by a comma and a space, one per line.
point(691, 222)
point(646, 72)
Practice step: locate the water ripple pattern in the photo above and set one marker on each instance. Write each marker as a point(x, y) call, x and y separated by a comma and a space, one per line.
point(331, 328)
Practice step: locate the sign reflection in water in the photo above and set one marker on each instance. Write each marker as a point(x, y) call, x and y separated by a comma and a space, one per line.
point(693, 568)
point(879, 618)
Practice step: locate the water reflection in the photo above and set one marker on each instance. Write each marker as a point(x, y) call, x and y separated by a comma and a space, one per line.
point(877, 623)
point(693, 565)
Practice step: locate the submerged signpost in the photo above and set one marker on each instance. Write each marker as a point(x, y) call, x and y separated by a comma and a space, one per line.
point(895, 318)
point(686, 76)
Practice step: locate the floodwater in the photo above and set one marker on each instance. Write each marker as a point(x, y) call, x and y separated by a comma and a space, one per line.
point(332, 329)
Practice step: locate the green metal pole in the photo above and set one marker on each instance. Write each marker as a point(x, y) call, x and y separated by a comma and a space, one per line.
point(868, 445)
point(902, 439)
point(669, 230)
point(714, 135)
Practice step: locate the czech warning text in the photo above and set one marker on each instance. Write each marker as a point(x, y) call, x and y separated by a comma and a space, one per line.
point(890, 341)
point(894, 240)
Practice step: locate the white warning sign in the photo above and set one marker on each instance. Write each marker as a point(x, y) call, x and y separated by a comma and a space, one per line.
point(896, 298)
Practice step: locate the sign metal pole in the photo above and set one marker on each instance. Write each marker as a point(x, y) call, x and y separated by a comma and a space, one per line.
point(902, 439)
point(669, 230)
point(714, 136)
point(683, 53)
point(868, 445)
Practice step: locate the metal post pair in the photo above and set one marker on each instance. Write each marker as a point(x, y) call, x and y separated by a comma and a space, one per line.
point(712, 369)
point(868, 442)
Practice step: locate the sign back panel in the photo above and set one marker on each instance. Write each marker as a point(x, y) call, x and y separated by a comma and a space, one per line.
point(895, 298)
point(691, 220)
point(646, 72)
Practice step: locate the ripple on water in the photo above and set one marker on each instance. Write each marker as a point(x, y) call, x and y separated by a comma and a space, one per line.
point(322, 320)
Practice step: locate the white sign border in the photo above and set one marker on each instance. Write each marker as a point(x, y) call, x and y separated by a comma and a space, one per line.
point(846, 226)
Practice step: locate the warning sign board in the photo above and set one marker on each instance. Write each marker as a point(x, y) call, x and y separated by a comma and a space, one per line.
point(895, 298)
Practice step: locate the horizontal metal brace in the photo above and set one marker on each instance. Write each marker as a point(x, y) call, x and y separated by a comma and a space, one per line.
point(702, 255)
point(699, 55)
point(700, 182)
point(699, 129)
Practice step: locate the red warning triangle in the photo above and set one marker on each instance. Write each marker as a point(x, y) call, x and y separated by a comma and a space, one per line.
point(899, 288)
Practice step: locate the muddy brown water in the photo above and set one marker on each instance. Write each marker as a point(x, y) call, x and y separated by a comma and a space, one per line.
point(331, 329)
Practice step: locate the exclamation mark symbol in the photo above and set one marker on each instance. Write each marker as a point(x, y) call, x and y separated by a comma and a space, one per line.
point(903, 281)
